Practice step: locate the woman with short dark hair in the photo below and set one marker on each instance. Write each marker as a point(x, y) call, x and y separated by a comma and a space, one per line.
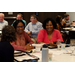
point(6, 49)
point(49, 34)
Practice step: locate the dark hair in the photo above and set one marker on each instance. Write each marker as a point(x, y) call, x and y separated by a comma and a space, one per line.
point(20, 14)
point(8, 34)
point(65, 15)
point(47, 20)
point(58, 18)
point(16, 23)
point(34, 16)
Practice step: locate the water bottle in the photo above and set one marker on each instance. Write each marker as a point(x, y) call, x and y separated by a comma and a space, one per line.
point(44, 53)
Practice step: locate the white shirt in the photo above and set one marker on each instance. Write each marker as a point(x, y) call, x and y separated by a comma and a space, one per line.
point(68, 23)
point(34, 28)
point(2, 24)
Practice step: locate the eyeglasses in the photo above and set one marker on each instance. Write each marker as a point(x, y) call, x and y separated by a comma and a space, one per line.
point(20, 26)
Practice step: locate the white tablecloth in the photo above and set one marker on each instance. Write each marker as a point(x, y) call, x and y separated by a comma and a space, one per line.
point(69, 28)
point(58, 55)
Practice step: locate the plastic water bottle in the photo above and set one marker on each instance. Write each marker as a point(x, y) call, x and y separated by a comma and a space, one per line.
point(44, 53)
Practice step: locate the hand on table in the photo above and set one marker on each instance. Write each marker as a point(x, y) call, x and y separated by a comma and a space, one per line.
point(28, 47)
point(52, 44)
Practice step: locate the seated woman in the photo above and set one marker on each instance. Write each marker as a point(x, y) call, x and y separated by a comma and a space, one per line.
point(6, 49)
point(49, 34)
point(60, 23)
point(23, 40)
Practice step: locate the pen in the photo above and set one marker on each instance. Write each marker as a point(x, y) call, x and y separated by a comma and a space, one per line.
point(30, 44)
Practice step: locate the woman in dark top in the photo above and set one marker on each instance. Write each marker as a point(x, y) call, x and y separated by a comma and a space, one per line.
point(60, 24)
point(6, 50)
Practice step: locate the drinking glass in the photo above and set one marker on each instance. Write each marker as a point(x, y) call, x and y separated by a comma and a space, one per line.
point(58, 44)
point(72, 47)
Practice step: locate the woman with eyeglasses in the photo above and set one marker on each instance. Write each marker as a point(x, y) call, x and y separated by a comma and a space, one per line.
point(23, 40)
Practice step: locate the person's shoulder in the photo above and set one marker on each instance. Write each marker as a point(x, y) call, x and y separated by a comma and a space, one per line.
point(30, 23)
point(1, 42)
point(24, 33)
point(5, 44)
point(23, 20)
point(56, 31)
point(39, 22)
point(42, 30)
point(5, 21)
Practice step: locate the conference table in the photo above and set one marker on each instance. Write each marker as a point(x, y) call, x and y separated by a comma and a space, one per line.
point(70, 31)
point(62, 55)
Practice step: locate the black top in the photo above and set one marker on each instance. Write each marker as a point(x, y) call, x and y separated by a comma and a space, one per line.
point(6, 52)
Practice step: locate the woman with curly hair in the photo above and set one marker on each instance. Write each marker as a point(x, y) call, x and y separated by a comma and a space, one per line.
point(49, 34)
point(23, 40)
point(6, 49)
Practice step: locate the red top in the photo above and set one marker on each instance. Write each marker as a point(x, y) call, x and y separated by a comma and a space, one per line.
point(42, 36)
point(21, 41)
